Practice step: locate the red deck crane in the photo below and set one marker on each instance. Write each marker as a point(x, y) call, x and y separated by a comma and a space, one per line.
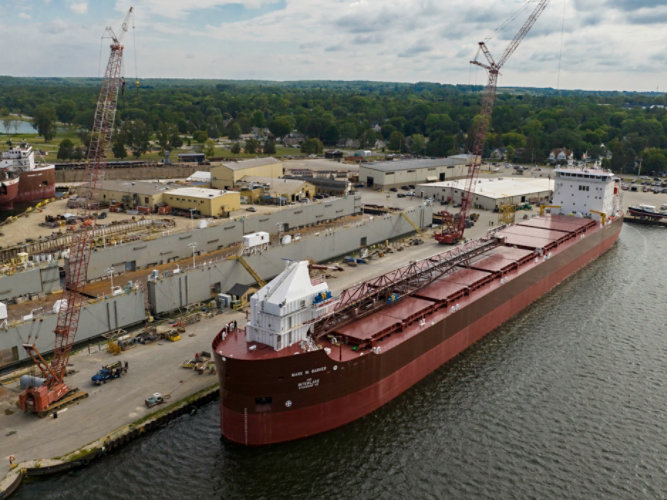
point(54, 392)
point(453, 226)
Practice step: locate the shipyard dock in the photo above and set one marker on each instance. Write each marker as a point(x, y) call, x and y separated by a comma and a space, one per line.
point(118, 409)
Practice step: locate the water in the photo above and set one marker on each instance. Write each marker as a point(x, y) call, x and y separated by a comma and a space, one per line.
point(17, 127)
point(567, 400)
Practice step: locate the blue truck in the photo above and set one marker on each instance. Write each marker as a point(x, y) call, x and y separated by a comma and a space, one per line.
point(109, 372)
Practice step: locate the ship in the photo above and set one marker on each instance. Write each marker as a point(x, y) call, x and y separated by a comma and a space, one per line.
point(648, 212)
point(308, 362)
point(22, 180)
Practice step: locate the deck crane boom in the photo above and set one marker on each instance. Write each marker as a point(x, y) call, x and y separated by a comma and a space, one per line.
point(53, 393)
point(453, 227)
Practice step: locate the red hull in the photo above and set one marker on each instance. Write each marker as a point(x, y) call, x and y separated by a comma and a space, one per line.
point(37, 184)
point(9, 188)
point(339, 396)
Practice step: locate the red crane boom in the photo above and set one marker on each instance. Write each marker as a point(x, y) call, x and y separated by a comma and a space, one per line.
point(48, 395)
point(454, 226)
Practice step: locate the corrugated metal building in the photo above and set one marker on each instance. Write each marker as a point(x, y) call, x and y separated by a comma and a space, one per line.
point(226, 175)
point(413, 171)
point(490, 193)
point(130, 193)
point(208, 202)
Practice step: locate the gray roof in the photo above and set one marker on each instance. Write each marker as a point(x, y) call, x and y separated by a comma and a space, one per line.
point(413, 164)
point(255, 162)
point(136, 187)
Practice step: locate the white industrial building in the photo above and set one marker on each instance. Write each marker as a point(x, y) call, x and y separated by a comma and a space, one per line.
point(406, 172)
point(489, 193)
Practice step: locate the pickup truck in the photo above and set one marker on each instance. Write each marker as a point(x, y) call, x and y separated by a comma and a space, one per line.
point(108, 372)
point(155, 399)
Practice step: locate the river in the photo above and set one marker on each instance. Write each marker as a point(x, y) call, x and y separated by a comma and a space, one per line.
point(566, 400)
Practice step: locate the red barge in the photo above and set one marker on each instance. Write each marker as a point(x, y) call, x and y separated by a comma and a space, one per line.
point(308, 362)
point(23, 181)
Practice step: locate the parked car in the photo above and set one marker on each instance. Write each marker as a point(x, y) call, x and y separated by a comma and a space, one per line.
point(251, 209)
point(393, 189)
point(405, 188)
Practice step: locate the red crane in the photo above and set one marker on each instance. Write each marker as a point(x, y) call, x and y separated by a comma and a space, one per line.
point(54, 393)
point(453, 226)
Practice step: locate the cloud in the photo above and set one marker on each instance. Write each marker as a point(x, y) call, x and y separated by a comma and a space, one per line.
point(78, 7)
point(175, 9)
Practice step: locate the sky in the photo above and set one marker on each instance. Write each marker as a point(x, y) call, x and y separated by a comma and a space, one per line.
point(575, 44)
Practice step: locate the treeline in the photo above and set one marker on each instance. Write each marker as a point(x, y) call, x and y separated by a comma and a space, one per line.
point(423, 118)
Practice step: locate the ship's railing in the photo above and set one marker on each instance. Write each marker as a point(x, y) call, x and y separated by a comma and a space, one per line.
point(369, 296)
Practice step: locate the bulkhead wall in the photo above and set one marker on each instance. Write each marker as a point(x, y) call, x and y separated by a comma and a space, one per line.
point(168, 247)
point(97, 317)
point(191, 286)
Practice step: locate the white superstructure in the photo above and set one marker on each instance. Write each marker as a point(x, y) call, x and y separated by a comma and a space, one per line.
point(21, 158)
point(282, 312)
point(586, 191)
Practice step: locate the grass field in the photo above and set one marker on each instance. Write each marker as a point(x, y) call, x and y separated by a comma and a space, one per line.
point(72, 133)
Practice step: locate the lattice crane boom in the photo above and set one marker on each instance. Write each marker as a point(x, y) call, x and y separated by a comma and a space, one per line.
point(453, 228)
point(40, 398)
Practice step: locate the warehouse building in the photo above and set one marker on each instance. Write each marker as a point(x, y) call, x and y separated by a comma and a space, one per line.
point(253, 188)
point(205, 202)
point(413, 171)
point(490, 193)
point(226, 175)
point(131, 194)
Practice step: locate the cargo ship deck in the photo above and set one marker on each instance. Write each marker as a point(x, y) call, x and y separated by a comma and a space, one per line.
point(521, 247)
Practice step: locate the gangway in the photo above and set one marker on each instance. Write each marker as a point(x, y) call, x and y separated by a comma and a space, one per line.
point(258, 279)
point(411, 222)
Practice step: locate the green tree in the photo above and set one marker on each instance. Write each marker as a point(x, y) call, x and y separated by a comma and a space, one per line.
point(118, 148)
point(280, 126)
point(66, 110)
point(65, 149)
point(368, 138)
point(312, 146)
point(234, 131)
point(176, 140)
point(209, 148)
point(137, 136)
point(396, 141)
point(200, 136)
point(165, 134)
point(251, 146)
point(417, 143)
point(44, 119)
point(236, 148)
point(270, 147)
point(258, 119)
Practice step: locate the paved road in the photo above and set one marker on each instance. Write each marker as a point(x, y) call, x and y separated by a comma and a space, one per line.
point(152, 368)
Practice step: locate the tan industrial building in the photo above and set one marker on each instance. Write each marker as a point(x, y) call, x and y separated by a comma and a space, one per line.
point(405, 172)
point(253, 188)
point(226, 175)
point(489, 193)
point(207, 202)
point(131, 194)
